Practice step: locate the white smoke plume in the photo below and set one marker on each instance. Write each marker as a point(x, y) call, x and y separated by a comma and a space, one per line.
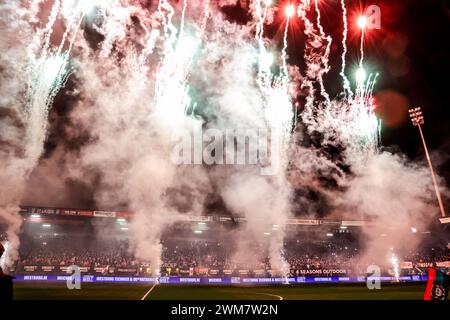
point(32, 76)
point(391, 192)
point(395, 196)
point(134, 99)
point(145, 72)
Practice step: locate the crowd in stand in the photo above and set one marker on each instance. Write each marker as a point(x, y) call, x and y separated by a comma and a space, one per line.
point(66, 251)
point(191, 255)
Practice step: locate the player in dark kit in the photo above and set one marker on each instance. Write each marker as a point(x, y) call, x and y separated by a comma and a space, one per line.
point(6, 282)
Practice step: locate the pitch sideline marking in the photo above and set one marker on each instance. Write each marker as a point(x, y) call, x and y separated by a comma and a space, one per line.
point(148, 292)
point(272, 295)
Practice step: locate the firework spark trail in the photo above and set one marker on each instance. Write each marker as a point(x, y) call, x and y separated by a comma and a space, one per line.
point(170, 31)
point(285, 45)
point(271, 86)
point(113, 15)
point(49, 70)
point(80, 10)
point(362, 108)
point(262, 18)
point(48, 28)
point(171, 97)
point(260, 25)
point(325, 57)
point(275, 89)
point(353, 119)
point(362, 120)
point(361, 49)
point(347, 87)
point(75, 33)
point(206, 14)
point(265, 58)
point(312, 59)
point(395, 267)
point(357, 122)
point(183, 12)
point(168, 85)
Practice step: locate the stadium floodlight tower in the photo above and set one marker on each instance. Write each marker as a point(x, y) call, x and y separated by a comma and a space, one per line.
point(417, 120)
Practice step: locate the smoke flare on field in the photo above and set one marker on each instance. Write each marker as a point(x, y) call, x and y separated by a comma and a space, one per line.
point(144, 72)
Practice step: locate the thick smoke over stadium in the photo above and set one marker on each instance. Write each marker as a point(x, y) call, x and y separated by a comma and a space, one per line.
point(138, 76)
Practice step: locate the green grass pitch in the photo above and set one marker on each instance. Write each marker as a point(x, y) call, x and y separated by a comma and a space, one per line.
point(102, 291)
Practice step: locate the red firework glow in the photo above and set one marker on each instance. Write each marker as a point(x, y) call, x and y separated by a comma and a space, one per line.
point(290, 10)
point(362, 22)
